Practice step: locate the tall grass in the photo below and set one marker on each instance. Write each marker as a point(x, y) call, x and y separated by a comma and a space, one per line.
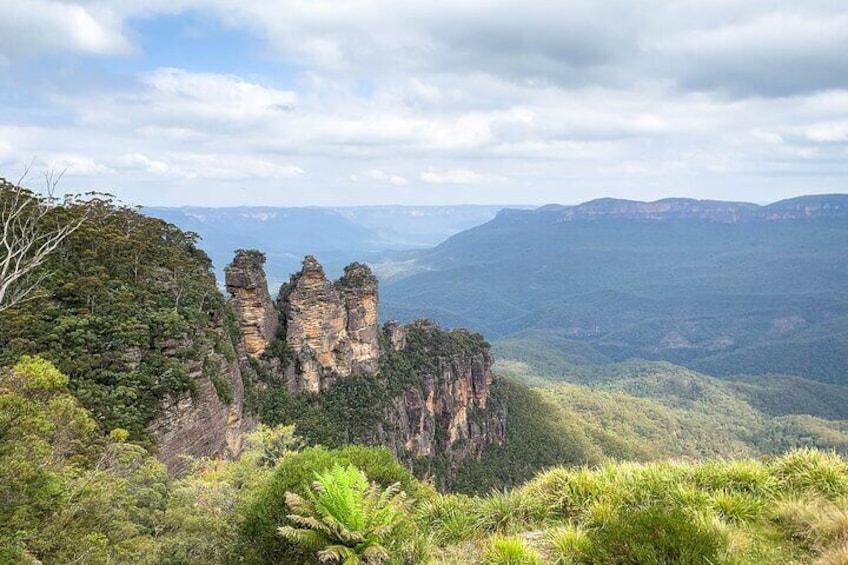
point(509, 551)
point(792, 508)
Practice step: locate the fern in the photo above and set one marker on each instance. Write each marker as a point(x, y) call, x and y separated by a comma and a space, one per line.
point(344, 518)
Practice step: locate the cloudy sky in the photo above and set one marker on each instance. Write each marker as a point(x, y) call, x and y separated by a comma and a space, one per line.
point(313, 102)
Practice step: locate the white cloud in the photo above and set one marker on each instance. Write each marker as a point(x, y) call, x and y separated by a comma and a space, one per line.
point(137, 161)
point(182, 101)
point(34, 27)
point(76, 164)
point(828, 132)
point(452, 176)
point(508, 100)
point(380, 176)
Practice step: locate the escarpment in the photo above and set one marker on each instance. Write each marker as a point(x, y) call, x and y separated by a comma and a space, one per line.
point(447, 408)
point(210, 421)
point(424, 392)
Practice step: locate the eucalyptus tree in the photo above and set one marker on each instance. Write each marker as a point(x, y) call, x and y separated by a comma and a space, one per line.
point(31, 229)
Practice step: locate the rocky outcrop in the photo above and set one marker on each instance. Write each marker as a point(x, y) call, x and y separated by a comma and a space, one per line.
point(331, 329)
point(210, 421)
point(395, 335)
point(358, 289)
point(449, 409)
point(252, 304)
point(429, 391)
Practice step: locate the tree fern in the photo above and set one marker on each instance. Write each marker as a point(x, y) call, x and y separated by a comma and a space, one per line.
point(344, 518)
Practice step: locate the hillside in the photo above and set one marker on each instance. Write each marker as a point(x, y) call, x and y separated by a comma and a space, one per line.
point(648, 410)
point(722, 288)
point(339, 235)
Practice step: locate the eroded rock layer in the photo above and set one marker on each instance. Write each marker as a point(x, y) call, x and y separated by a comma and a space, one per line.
point(257, 317)
point(427, 391)
point(447, 409)
point(331, 329)
point(209, 422)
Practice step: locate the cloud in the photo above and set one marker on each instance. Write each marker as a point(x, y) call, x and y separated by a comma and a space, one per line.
point(452, 176)
point(773, 54)
point(380, 176)
point(182, 100)
point(828, 132)
point(36, 27)
point(507, 100)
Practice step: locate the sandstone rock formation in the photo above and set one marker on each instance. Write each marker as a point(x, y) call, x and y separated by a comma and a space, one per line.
point(395, 335)
point(202, 424)
point(330, 328)
point(435, 385)
point(257, 317)
point(358, 289)
point(449, 410)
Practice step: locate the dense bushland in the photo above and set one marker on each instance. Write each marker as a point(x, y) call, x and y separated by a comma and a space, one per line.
point(123, 305)
point(645, 410)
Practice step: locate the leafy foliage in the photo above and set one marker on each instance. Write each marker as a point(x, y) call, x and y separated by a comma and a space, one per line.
point(70, 495)
point(346, 519)
point(509, 551)
point(129, 304)
point(653, 534)
point(267, 512)
point(66, 493)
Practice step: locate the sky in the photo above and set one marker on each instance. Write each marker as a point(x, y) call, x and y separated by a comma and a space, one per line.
point(354, 102)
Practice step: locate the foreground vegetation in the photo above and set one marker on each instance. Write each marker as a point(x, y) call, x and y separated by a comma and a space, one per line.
point(69, 495)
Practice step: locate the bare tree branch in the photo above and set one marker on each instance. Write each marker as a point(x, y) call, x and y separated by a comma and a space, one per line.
point(30, 234)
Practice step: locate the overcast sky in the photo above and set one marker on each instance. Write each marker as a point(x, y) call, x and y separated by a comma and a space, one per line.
point(313, 102)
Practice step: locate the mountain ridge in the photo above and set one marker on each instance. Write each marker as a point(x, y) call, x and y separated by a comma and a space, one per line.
point(718, 287)
point(805, 206)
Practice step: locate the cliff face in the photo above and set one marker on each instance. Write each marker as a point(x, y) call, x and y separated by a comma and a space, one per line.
point(202, 424)
point(210, 420)
point(448, 409)
point(331, 329)
point(433, 388)
point(246, 283)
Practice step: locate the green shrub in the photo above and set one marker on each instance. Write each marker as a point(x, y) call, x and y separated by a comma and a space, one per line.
point(745, 475)
point(810, 470)
point(503, 511)
point(509, 551)
point(738, 506)
point(259, 541)
point(567, 544)
point(344, 519)
point(653, 535)
point(448, 517)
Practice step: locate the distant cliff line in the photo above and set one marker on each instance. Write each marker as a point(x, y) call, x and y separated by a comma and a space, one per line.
point(824, 206)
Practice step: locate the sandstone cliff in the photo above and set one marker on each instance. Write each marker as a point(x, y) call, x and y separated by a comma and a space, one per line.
point(331, 329)
point(446, 408)
point(210, 421)
point(246, 283)
point(422, 391)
